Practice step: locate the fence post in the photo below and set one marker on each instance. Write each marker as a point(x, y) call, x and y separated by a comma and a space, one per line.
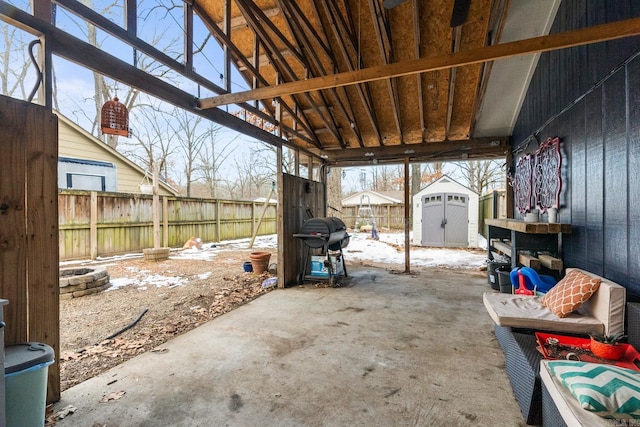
point(218, 210)
point(165, 221)
point(93, 226)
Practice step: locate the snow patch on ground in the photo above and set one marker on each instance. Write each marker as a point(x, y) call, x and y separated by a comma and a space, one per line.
point(389, 249)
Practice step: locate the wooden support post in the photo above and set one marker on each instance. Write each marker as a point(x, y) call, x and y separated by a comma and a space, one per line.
point(280, 218)
point(165, 221)
point(509, 189)
point(310, 168)
point(297, 162)
point(93, 226)
point(407, 220)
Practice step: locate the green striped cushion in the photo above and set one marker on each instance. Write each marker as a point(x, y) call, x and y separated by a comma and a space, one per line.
point(606, 390)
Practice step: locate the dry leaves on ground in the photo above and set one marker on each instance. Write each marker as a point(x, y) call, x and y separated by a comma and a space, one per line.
point(208, 289)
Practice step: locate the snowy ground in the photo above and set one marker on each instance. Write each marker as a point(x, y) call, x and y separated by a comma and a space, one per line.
point(389, 249)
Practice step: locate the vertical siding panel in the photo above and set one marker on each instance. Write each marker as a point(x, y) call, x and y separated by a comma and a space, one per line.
point(633, 70)
point(615, 177)
point(594, 182)
point(576, 180)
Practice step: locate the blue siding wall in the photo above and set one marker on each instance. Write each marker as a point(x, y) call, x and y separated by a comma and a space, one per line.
point(590, 98)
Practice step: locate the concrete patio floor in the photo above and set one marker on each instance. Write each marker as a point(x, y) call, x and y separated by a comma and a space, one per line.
point(383, 350)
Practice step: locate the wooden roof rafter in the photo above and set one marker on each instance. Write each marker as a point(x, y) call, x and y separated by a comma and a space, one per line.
point(300, 27)
point(339, 27)
point(456, 35)
point(314, 67)
point(386, 52)
point(567, 39)
point(416, 36)
point(236, 55)
point(257, 21)
point(343, 91)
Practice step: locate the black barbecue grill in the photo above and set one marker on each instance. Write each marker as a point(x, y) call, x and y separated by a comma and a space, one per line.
point(329, 234)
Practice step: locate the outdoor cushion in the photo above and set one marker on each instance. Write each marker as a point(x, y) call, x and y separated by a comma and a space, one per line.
point(606, 390)
point(602, 313)
point(522, 311)
point(567, 406)
point(570, 293)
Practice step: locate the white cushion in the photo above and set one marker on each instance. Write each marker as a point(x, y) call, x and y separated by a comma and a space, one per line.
point(568, 407)
point(603, 313)
point(521, 311)
point(607, 304)
point(606, 390)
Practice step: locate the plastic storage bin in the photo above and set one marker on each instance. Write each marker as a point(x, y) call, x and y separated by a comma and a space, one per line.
point(25, 372)
point(492, 276)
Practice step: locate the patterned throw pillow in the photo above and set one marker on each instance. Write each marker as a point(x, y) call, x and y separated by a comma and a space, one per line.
point(570, 293)
point(606, 390)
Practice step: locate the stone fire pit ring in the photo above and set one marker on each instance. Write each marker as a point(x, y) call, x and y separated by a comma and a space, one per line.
point(80, 281)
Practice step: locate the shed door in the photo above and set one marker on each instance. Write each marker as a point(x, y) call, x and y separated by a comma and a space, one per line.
point(456, 230)
point(445, 220)
point(432, 219)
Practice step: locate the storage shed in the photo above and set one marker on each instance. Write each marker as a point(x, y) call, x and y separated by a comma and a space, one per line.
point(445, 213)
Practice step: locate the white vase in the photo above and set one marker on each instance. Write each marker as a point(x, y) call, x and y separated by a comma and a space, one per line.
point(552, 214)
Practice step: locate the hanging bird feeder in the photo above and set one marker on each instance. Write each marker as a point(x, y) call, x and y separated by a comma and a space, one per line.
point(115, 118)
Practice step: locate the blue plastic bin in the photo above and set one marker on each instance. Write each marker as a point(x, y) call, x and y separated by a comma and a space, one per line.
point(26, 367)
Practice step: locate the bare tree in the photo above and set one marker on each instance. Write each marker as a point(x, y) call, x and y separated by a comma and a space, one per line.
point(191, 135)
point(154, 137)
point(213, 156)
point(481, 175)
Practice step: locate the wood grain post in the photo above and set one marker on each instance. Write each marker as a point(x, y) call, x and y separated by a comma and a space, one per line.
point(407, 218)
point(165, 221)
point(93, 225)
point(280, 222)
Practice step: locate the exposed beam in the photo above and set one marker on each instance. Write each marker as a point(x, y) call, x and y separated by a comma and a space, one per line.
point(416, 39)
point(456, 34)
point(281, 66)
point(258, 22)
point(263, 59)
point(256, 77)
point(339, 27)
point(474, 148)
point(239, 22)
point(188, 36)
point(386, 51)
point(594, 34)
point(75, 50)
point(300, 28)
point(136, 43)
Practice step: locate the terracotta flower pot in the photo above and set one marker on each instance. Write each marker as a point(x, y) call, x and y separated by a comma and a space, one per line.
point(260, 261)
point(607, 351)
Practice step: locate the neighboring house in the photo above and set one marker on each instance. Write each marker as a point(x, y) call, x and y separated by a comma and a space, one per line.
point(445, 213)
point(385, 207)
point(86, 163)
point(374, 198)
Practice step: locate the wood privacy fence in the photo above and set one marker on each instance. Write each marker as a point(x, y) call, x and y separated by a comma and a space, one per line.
point(102, 224)
point(495, 200)
point(387, 216)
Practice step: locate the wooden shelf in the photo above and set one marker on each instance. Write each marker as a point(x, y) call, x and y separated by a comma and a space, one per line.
point(530, 227)
point(529, 261)
point(551, 262)
point(504, 247)
point(525, 239)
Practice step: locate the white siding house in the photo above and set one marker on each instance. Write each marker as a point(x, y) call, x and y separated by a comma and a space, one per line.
point(86, 163)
